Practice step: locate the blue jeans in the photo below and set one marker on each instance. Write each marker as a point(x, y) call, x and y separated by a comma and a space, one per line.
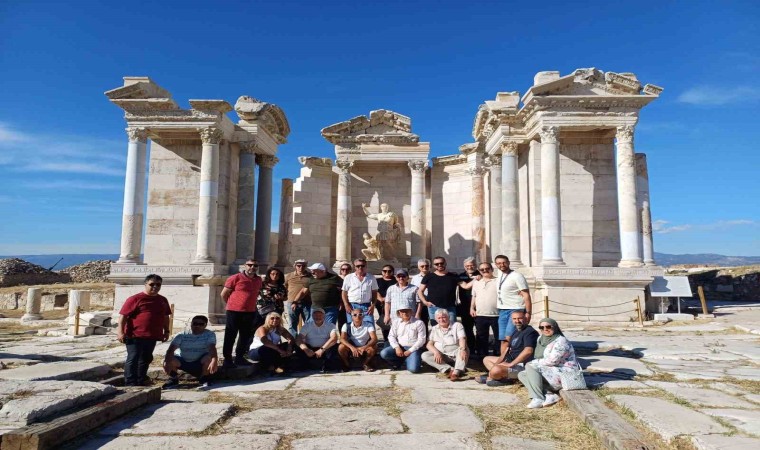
point(331, 314)
point(452, 314)
point(506, 326)
point(368, 320)
point(413, 361)
point(302, 310)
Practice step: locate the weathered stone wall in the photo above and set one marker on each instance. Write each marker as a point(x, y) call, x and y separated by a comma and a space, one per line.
point(731, 283)
point(314, 214)
point(53, 297)
point(451, 193)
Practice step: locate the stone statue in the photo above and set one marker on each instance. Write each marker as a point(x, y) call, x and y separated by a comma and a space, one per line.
point(372, 252)
point(388, 231)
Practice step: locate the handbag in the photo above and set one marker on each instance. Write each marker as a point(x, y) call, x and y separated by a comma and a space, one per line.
point(572, 380)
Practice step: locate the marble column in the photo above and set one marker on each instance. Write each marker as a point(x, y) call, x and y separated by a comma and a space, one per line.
point(630, 247)
point(343, 223)
point(510, 204)
point(493, 163)
point(264, 210)
point(418, 233)
point(551, 217)
point(209, 193)
point(286, 223)
point(245, 202)
point(134, 197)
point(33, 304)
point(478, 213)
point(645, 213)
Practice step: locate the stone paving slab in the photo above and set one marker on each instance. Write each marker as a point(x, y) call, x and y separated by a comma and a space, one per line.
point(183, 395)
point(25, 402)
point(616, 364)
point(440, 419)
point(169, 418)
point(463, 397)
point(342, 382)
point(700, 396)
point(667, 419)
point(431, 380)
point(224, 441)
point(719, 442)
point(611, 382)
point(516, 443)
point(418, 441)
point(744, 373)
point(68, 370)
point(321, 421)
point(745, 420)
point(753, 398)
point(259, 385)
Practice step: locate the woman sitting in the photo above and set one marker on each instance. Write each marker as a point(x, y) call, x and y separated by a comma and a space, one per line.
point(268, 347)
point(554, 354)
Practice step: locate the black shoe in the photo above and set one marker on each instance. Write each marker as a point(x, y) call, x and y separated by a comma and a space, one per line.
point(240, 361)
point(203, 383)
point(228, 364)
point(173, 383)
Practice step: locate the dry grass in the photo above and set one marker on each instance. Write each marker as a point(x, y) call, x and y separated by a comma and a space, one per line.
point(53, 314)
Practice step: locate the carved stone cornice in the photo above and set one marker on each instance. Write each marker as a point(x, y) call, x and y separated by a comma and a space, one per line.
point(549, 134)
point(477, 171)
point(270, 116)
point(492, 161)
point(313, 161)
point(509, 148)
point(381, 127)
point(392, 139)
point(418, 166)
point(624, 134)
point(266, 161)
point(211, 135)
point(344, 166)
point(248, 147)
point(137, 134)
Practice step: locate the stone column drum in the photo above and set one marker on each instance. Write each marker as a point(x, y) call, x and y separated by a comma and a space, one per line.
point(78, 299)
point(209, 194)
point(134, 197)
point(493, 163)
point(286, 222)
point(33, 305)
point(645, 213)
point(510, 204)
point(630, 248)
point(264, 210)
point(245, 202)
point(418, 235)
point(551, 222)
point(478, 213)
point(343, 223)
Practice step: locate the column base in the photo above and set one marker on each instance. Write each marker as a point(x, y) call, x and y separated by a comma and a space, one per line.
point(127, 260)
point(630, 263)
point(202, 260)
point(550, 262)
point(650, 264)
point(30, 317)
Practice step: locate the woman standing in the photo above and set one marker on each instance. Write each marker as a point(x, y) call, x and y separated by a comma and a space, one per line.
point(268, 347)
point(553, 355)
point(273, 293)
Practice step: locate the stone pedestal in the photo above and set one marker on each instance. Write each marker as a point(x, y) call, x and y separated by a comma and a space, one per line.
point(264, 210)
point(551, 230)
point(630, 246)
point(134, 197)
point(33, 305)
point(209, 193)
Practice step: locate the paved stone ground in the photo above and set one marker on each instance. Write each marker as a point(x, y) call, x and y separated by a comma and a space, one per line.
point(697, 383)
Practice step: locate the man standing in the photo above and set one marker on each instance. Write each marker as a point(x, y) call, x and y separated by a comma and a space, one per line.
point(442, 287)
point(359, 289)
point(240, 293)
point(324, 289)
point(485, 311)
point(465, 300)
point(522, 343)
point(193, 352)
point(385, 281)
point(512, 295)
point(423, 265)
point(401, 296)
point(317, 341)
point(143, 321)
point(301, 308)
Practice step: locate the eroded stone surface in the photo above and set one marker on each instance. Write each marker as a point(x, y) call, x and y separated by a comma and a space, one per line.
point(616, 364)
point(169, 418)
point(719, 442)
point(515, 443)
point(440, 419)
point(321, 422)
point(667, 419)
point(68, 370)
point(266, 384)
point(224, 441)
point(183, 395)
point(25, 402)
point(463, 397)
point(609, 382)
point(431, 380)
point(699, 396)
point(327, 383)
point(743, 419)
point(391, 441)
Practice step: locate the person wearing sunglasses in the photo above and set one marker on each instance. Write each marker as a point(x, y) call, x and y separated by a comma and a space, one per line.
point(399, 296)
point(193, 352)
point(503, 369)
point(553, 355)
point(423, 265)
point(442, 286)
point(359, 290)
point(512, 294)
point(239, 294)
point(385, 281)
point(406, 342)
point(316, 343)
point(357, 340)
point(485, 311)
point(143, 321)
point(295, 281)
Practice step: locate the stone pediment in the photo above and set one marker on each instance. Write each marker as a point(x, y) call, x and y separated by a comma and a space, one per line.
point(268, 115)
point(587, 82)
point(382, 126)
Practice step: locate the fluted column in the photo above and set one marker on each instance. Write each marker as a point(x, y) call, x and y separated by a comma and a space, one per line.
point(645, 213)
point(209, 194)
point(493, 163)
point(264, 210)
point(478, 212)
point(510, 203)
point(551, 217)
point(245, 202)
point(418, 169)
point(134, 197)
point(286, 223)
point(343, 223)
point(630, 248)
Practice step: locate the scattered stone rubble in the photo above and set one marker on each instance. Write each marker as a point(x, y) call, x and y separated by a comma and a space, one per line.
point(15, 271)
point(89, 272)
point(724, 283)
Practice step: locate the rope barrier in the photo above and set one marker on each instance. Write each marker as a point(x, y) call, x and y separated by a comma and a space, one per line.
point(593, 315)
point(587, 306)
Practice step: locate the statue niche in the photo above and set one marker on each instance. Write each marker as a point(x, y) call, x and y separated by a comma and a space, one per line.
point(388, 234)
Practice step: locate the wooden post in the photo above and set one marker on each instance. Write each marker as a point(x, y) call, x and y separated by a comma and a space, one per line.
point(546, 306)
point(701, 293)
point(76, 321)
point(171, 321)
point(637, 302)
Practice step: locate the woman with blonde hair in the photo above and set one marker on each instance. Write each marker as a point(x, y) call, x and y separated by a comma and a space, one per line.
point(268, 347)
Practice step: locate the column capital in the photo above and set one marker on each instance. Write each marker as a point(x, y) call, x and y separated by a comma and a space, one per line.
point(211, 135)
point(267, 161)
point(313, 161)
point(476, 171)
point(344, 165)
point(248, 147)
point(492, 161)
point(137, 134)
point(509, 148)
point(624, 134)
point(418, 165)
point(549, 134)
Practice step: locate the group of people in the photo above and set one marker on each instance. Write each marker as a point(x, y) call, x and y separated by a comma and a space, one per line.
point(314, 319)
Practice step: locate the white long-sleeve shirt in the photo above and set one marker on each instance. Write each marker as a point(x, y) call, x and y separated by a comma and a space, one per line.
point(407, 334)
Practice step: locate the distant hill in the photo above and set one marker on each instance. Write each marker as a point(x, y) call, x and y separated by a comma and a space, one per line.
point(665, 259)
point(69, 260)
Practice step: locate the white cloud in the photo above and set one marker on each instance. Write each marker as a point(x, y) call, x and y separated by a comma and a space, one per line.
point(718, 96)
point(9, 135)
point(664, 227)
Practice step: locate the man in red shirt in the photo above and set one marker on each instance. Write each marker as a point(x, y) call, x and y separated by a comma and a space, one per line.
point(143, 321)
point(240, 293)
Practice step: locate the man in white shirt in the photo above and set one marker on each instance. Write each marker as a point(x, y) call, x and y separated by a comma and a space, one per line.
point(407, 340)
point(512, 295)
point(484, 308)
point(359, 290)
point(316, 342)
point(357, 339)
point(447, 346)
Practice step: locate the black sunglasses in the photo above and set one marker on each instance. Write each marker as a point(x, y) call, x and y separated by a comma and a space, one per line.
point(357, 314)
point(198, 324)
point(545, 327)
point(401, 276)
point(485, 269)
point(154, 284)
point(387, 270)
point(439, 264)
point(251, 265)
point(359, 266)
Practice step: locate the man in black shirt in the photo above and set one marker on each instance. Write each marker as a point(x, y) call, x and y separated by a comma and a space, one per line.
point(441, 287)
point(465, 301)
point(521, 344)
point(383, 283)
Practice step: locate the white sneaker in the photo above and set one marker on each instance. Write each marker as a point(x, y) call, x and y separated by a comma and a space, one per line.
point(535, 403)
point(550, 399)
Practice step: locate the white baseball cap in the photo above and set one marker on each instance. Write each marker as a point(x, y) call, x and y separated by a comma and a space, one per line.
point(317, 266)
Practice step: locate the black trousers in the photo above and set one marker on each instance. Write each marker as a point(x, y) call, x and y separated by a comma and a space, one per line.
point(240, 325)
point(482, 324)
point(328, 361)
point(139, 357)
point(468, 322)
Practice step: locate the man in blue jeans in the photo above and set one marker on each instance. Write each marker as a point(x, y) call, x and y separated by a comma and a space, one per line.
point(359, 291)
point(512, 295)
point(438, 290)
point(406, 341)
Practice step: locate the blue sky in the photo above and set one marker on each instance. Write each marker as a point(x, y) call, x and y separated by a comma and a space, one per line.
point(62, 144)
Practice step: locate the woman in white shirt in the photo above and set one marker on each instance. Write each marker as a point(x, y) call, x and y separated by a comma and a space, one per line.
point(268, 347)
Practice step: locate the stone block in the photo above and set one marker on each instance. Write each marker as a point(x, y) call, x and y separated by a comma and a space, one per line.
point(700, 396)
point(745, 420)
point(322, 421)
point(463, 397)
point(259, 385)
point(440, 419)
point(169, 418)
point(722, 442)
point(74, 370)
point(223, 441)
point(24, 402)
point(341, 382)
point(389, 441)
